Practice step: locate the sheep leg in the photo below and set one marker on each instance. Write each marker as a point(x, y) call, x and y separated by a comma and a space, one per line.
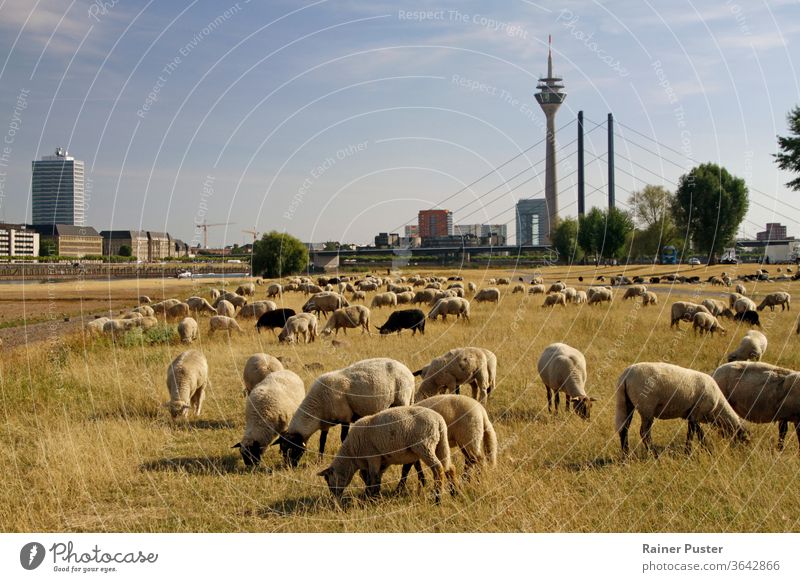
point(401, 485)
point(374, 473)
point(323, 437)
point(420, 474)
point(549, 398)
point(197, 400)
point(783, 427)
point(644, 433)
point(557, 400)
point(345, 429)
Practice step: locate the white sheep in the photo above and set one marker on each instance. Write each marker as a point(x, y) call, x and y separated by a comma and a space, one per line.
point(781, 298)
point(304, 324)
point(145, 310)
point(226, 308)
point(405, 297)
point(714, 307)
point(536, 289)
point(359, 296)
point(324, 302)
point(187, 383)
point(388, 299)
point(503, 281)
point(684, 311)
point(740, 289)
point(246, 289)
point(274, 290)
point(666, 391)
point(399, 436)
point(95, 326)
point(472, 287)
point(733, 298)
point(744, 304)
point(599, 295)
point(491, 294)
point(580, 297)
point(569, 294)
point(144, 299)
point(752, 347)
point(556, 287)
point(762, 393)
point(634, 291)
point(257, 309)
point(450, 306)
point(343, 396)
point(706, 323)
point(223, 323)
point(469, 365)
point(649, 298)
point(348, 317)
point(257, 367)
point(555, 299)
point(562, 368)
point(187, 330)
point(177, 312)
point(269, 408)
point(199, 305)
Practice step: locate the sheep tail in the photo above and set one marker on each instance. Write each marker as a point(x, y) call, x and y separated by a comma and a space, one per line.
point(624, 404)
point(489, 442)
point(419, 372)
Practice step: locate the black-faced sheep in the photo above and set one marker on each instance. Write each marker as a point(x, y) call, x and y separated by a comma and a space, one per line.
point(187, 382)
point(781, 298)
point(562, 368)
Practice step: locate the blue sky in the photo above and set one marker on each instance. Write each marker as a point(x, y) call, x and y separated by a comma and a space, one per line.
point(339, 119)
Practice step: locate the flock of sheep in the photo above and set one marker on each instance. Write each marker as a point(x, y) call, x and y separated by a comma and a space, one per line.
point(387, 420)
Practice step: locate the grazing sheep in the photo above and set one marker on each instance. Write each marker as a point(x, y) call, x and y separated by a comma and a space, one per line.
point(257, 367)
point(733, 298)
point(518, 289)
point(537, 280)
point(489, 294)
point(752, 347)
point(198, 305)
point(706, 322)
point(599, 295)
point(714, 307)
point(358, 296)
point(226, 308)
point(187, 382)
point(685, 311)
point(388, 299)
point(450, 306)
point(147, 322)
point(556, 287)
point(274, 319)
point(132, 315)
point(555, 299)
point(367, 286)
point(274, 290)
point(665, 391)
point(536, 289)
point(563, 368)
point(569, 294)
point(177, 312)
point(246, 289)
point(233, 298)
point(399, 436)
point(324, 303)
point(474, 366)
point(750, 317)
point(714, 280)
point(223, 323)
point(257, 309)
point(740, 289)
point(472, 287)
point(424, 296)
point(269, 407)
point(503, 281)
point(304, 324)
point(343, 396)
point(144, 299)
point(348, 317)
point(762, 393)
point(468, 428)
point(398, 288)
point(744, 304)
point(162, 306)
point(405, 298)
point(187, 330)
point(781, 298)
point(113, 327)
point(95, 327)
point(649, 298)
point(145, 310)
point(214, 293)
point(580, 297)
point(413, 319)
point(634, 291)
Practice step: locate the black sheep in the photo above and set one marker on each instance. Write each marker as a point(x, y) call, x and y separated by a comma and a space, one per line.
point(276, 318)
point(413, 319)
point(750, 317)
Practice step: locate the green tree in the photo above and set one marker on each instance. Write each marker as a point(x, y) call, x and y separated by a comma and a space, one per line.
point(789, 157)
point(651, 205)
point(709, 206)
point(604, 233)
point(277, 254)
point(590, 229)
point(565, 240)
point(47, 248)
point(125, 251)
point(331, 246)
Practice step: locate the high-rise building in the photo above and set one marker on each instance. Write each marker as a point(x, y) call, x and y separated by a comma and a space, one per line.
point(412, 230)
point(550, 97)
point(774, 231)
point(435, 223)
point(531, 219)
point(484, 232)
point(16, 240)
point(57, 190)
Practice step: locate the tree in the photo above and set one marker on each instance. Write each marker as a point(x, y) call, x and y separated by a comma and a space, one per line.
point(651, 205)
point(125, 251)
point(789, 157)
point(603, 233)
point(47, 248)
point(565, 240)
point(590, 227)
point(331, 246)
point(277, 254)
point(709, 206)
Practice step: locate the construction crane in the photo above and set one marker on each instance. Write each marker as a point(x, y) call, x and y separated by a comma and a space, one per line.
point(254, 232)
point(205, 227)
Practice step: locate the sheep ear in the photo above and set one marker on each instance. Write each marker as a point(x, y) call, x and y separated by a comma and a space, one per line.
point(325, 472)
point(237, 446)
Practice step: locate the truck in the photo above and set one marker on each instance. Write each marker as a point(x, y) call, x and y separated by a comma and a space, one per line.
point(669, 255)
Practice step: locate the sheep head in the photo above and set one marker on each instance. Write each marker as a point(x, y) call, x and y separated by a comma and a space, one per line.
point(292, 448)
point(251, 454)
point(583, 406)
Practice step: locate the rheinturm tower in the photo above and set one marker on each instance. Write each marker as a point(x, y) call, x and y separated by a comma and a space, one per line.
point(550, 97)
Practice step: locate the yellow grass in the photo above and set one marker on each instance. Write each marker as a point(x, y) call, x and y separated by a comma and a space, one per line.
point(88, 447)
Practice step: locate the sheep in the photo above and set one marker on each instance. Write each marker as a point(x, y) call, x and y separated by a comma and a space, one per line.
point(367, 286)
point(649, 298)
point(304, 324)
point(225, 308)
point(580, 297)
point(147, 322)
point(424, 296)
point(256, 368)
point(257, 309)
point(555, 299)
point(324, 303)
point(405, 298)
point(518, 289)
point(274, 319)
point(132, 315)
point(665, 391)
point(214, 294)
point(144, 299)
point(740, 289)
point(269, 407)
point(163, 306)
point(398, 288)
point(752, 347)
point(177, 312)
point(343, 396)
point(223, 323)
point(733, 298)
point(187, 329)
point(199, 305)
point(233, 298)
point(358, 296)
point(114, 326)
point(468, 428)
point(95, 326)
point(503, 281)
point(446, 373)
point(187, 383)
point(145, 310)
point(488, 294)
point(399, 436)
point(246, 289)
point(781, 298)
point(413, 319)
point(744, 304)
point(599, 295)
point(450, 306)
point(274, 290)
point(762, 393)
point(536, 289)
point(348, 317)
point(714, 307)
point(556, 287)
point(569, 294)
point(750, 317)
point(714, 280)
point(706, 322)
point(472, 287)
point(388, 299)
point(434, 285)
point(684, 310)
point(634, 291)
point(562, 368)
point(492, 281)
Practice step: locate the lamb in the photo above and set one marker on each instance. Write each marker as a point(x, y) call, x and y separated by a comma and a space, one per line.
point(684, 310)
point(752, 347)
point(562, 368)
point(256, 368)
point(399, 436)
point(223, 323)
point(762, 393)
point(405, 297)
point(536, 289)
point(348, 317)
point(413, 319)
point(450, 306)
point(388, 299)
point(555, 299)
point(187, 382)
point(781, 298)
point(187, 329)
point(257, 309)
point(269, 407)
point(599, 295)
point(714, 307)
point(225, 308)
point(649, 298)
point(634, 291)
point(274, 319)
point(489, 294)
point(274, 290)
point(304, 324)
point(343, 396)
point(468, 428)
point(706, 322)
point(246, 289)
point(324, 303)
point(665, 391)
point(446, 373)
point(744, 304)
point(199, 305)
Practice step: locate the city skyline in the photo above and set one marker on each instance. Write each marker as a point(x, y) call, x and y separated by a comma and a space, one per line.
point(335, 121)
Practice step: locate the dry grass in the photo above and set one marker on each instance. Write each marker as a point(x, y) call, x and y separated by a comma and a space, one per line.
point(89, 448)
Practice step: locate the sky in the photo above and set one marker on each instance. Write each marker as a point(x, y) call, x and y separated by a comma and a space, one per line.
point(336, 120)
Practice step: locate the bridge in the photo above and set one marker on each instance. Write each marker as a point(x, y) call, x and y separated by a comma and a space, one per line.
point(744, 243)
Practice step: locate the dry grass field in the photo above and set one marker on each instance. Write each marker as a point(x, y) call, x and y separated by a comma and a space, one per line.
point(89, 447)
